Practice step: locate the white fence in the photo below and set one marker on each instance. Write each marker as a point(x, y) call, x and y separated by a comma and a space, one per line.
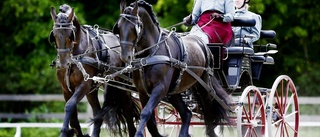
point(305, 120)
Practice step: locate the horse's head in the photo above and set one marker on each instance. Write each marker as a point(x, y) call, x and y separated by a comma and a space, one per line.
point(63, 35)
point(129, 28)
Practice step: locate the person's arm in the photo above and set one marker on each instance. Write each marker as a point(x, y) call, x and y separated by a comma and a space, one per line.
point(196, 11)
point(257, 28)
point(229, 11)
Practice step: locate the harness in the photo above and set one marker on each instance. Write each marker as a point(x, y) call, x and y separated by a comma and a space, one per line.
point(93, 36)
point(152, 59)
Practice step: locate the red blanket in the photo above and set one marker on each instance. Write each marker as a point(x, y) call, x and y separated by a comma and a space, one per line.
point(216, 26)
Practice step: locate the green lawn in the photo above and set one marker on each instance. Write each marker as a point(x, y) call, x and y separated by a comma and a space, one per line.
point(195, 131)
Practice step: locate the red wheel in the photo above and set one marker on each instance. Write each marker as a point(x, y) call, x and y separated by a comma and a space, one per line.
point(283, 109)
point(168, 119)
point(251, 116)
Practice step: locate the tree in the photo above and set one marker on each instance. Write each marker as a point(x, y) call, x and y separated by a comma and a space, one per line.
point(26, 53)
point(297, 28)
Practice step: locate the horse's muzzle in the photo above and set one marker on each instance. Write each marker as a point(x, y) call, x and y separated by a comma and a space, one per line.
point(126, 58)
point(63, 63)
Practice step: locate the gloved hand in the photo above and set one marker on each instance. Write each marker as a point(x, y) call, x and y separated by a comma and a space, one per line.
point(216, 16)
point(187, 20)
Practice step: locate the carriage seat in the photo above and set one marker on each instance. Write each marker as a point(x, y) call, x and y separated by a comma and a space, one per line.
point(239, 50)
point(267, 34)
point(243, 21)
point(263, 59)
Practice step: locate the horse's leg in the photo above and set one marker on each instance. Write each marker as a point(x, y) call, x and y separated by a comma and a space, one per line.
point(184, 112)
point(148, 115)
point(70, 114)
point(128, 110)
point(130, 123)
point(65, 126)
point(74, 123)
point(95, 105)
point(152, 126)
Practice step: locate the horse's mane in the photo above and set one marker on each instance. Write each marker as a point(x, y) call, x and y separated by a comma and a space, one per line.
point(148, 8)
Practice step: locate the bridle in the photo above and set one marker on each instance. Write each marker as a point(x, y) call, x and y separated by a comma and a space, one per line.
point(138, 27)
point(63, 26)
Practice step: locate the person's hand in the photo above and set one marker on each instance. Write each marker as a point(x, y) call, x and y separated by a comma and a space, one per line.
point(216, 15)
point(187, 20)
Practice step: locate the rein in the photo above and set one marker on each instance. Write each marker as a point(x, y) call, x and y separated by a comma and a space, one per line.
point(156, 44)
point(174, 25)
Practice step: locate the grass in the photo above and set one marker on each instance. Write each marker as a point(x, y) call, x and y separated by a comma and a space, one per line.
point(195, 131)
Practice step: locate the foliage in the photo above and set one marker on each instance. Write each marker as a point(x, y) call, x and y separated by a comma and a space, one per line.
point(26, 53)
point(297, 38)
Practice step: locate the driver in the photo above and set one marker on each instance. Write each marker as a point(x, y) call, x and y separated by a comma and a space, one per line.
point(211, 20)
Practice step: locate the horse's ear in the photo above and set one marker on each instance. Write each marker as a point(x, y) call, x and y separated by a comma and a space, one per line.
point(71, 15)
point(122, 5)
point(115, 29)
point(53, 13)
point(135, 9)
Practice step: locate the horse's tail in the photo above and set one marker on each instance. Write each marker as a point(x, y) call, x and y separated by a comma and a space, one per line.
point(117, 107)
point(214, 113)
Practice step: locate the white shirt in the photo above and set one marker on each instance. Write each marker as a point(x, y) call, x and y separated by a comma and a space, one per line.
point(224, 6)
point(254, 30)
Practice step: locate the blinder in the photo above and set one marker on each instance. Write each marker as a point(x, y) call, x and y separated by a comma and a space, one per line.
point(51, 37)
point(72, 36)
point(115, 29)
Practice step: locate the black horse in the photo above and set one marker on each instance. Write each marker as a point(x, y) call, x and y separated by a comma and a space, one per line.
point(167, 65)
point(84, 52)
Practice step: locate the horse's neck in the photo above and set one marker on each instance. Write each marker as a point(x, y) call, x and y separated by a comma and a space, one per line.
point(150, 36)
point(81, 43)
point(114, 57)
point(76, 23)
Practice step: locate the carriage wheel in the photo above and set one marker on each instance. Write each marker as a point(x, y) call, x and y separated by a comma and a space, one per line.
point(283, 108)
point(251, 116)
point(166, 115)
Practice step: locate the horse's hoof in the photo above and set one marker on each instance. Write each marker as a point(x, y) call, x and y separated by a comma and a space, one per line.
point(71, 132)
point(86, 135)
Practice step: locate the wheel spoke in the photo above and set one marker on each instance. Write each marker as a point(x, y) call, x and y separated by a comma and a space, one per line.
point(246, 114)
point(291, 114)
point(258, 112)
point(289, 102)
point(295, 131)
point(247, 132)
point(278, 103)
point(255, 132)
point(249, 105)
point(255, 100)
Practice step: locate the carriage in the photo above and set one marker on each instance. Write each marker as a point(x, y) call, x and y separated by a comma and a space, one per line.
point(258, 111)
point(255, 111)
